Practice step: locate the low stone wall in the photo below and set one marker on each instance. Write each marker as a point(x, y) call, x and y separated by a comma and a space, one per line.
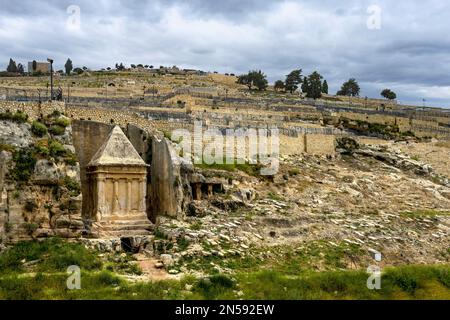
point(313, 144)
point(420, 127)
point(34, 110)
point(320, 144)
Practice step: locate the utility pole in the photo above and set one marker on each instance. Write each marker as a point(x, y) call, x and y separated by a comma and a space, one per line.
point(51, 77)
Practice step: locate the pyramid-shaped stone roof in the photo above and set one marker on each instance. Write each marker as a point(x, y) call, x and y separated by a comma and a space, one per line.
point(117, 150)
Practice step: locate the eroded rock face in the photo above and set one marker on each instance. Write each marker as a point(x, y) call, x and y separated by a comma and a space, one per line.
point(46, 173)
point(66, 138)
point(48, 204)
point(15, 134)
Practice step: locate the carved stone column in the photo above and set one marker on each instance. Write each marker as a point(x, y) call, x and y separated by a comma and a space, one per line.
point(210, 190)
point(141, 195)
point(198, 191)
point(101, 205)
point(116, 204)
point(129, 196)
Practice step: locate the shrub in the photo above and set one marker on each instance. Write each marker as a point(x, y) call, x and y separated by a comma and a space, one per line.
point(30, 205)
point(31, 228)
point(71, 159)
point(39, 129)
point(25, 163)
point(56, 113)
point(7, 147)
point(18, 117)
point(62, 122)
point(56, 149)
point(72, 185)
point(57, 130)
point(349, 145)
point(41, 150)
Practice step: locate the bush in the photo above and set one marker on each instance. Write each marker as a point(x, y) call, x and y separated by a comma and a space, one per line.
point(72, 185)
point(71, 159)
point(25, 163)
point(39, 129)
point(349, 145)
point(31, 228)
point(57, 130)
point(41, 150)
point(7, 147)
point(18, 117)
point(30, 205)
point(56, 149)
point(62, 122)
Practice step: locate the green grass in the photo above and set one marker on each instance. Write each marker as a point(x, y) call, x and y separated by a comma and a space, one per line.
point(275, 197)
point(411, 282)
point(18, 117)
point(251, 169)
point(288, 276)
point(424, 213)
point(313, 256)
point(52, 255)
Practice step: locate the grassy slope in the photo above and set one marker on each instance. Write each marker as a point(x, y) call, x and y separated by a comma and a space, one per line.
point(45, 278)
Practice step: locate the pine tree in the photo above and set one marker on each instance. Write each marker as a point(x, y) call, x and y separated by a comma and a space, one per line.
point(20, 68)
point(349, 88)
point(68, 66)
point(325, 87)
point(314, 87)
point(389, 94)
point(305, 85)
point(12, 67)
point(254, 78)
point(279, 85)
point(293, 80)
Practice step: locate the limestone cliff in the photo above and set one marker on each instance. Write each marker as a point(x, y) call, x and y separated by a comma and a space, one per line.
point(39, 179)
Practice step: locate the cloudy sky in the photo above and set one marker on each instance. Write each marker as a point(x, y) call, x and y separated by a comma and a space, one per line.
point(403, 45)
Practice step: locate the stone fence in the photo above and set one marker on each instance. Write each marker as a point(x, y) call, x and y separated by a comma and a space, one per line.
point(33, 110)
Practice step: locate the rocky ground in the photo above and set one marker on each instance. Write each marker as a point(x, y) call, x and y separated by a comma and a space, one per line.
point(376, 199)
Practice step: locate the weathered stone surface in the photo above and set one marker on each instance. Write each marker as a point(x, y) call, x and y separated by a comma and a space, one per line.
point(15, 134)
point(117, 150)
point(46, 173)
point(167, 260)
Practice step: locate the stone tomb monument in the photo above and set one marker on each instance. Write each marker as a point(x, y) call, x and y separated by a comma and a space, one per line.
point(117, 176)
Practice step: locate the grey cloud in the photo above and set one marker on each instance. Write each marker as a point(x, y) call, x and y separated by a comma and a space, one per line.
point(409, 53)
